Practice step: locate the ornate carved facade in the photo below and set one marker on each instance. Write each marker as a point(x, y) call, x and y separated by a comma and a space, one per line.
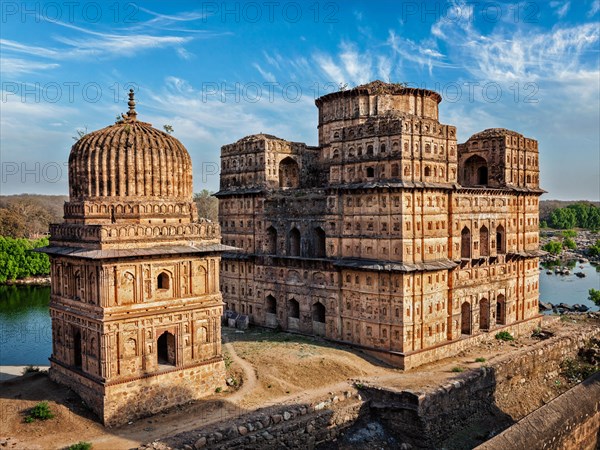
point(389, 235)
point(135, 300)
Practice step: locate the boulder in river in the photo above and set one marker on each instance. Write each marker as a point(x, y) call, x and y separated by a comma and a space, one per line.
point(545, 306)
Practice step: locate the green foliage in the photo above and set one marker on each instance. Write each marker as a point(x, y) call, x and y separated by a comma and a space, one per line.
point(458, 369)
point(480, 360)
point(41, 411)
point(563, 218)
point(582, 215)
point(569, 234)
point(218, 390)
point(543, 224)
point(81, 445)
point(594, 250)
point(569, 243)
point(553, 247)
point(594, 295)
point(208, 205)
point(504, 336)
point(17, 260)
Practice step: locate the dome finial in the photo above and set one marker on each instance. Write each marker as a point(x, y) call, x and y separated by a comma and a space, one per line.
point(131, 114)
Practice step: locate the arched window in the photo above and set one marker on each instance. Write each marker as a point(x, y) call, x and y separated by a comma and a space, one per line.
point(484, 241)
point(369, 150)
point(294, 242)
point(336, 153)
point(271, 305)
point(395, 171)
point(382, 148)
point(427, 171)
point(501, 310)
point(484, 314)
point(465, 243)
point(465, 316)
point(162, 281)
point(475, 172)
point(289, 174)
point(319, 243)
point(318, 311)
point(271, 241)
point(165, 349)
point(500, 240)
point(370, 172)
point(294, 309)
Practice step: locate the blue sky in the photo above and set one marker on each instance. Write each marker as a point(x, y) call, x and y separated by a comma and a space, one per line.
point(217, 71)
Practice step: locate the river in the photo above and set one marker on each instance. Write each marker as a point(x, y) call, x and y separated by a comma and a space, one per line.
point(26, 336)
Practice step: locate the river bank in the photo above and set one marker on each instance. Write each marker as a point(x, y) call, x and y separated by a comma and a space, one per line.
point(29, 281)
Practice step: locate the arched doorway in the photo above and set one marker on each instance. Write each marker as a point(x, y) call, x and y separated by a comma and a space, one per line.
point(465, 318)
point(484, 314)
point(165, 348)
point(475, 171)
point(484, 241)
point(319, 243)
point(289, 176)
point(501, 310)
point(318, 315)
point(293, 309)
point(294, 242)
point(271, 241)
point(500, 240)
point(271, 305)
point(465, 243)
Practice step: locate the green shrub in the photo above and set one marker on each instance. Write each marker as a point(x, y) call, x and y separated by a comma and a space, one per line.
point(594, 295)
point(504, 336)
point(479, 359)
point(41, 411)
point(218, 390)
point(553, 247)
point(569, 243)
point(81, 445)
point(458, 369)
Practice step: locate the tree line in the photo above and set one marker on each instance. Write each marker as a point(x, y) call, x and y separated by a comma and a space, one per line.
point(17, 260)
point(577, 215)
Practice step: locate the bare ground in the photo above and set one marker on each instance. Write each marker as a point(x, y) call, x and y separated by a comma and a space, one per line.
point(268, 368)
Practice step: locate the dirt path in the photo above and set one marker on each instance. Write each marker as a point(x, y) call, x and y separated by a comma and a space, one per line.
point(249, 383)
point(278, 369)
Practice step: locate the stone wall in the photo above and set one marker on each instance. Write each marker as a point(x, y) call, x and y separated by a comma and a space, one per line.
point(488, 400)
point(570, 422)
point(297, 426)
point(119, 403)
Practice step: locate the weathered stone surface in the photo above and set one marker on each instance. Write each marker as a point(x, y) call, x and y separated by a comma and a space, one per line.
point(135, 301)
point(389, 234)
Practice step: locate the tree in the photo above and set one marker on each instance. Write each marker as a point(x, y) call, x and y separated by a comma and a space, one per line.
point(553, 247)
point(17, 260)
point(569, 233)
point(594, 295)
point(208, 205)
point(563, 218)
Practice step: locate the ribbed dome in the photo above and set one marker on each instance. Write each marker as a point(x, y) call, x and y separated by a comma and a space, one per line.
point(129, 160)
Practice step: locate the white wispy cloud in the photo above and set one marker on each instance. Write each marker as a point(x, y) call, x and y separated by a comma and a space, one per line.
point(16, 66)
point(594, 8)
point(560, 8)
